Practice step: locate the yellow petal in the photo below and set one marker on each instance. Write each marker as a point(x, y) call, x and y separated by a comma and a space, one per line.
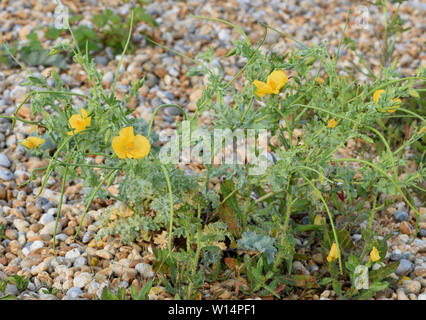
point(119, 147)
point(276, 80)
point(33, 142)
point(83, 113)
point(377, 94)
point(333, 255)
point(262, 88)
point(374, 255)
point(319, 80)
point(127, 134)
point(393, 110)
point(87, 122)
point(141, 147)
point(331, 123)
point(75, 121)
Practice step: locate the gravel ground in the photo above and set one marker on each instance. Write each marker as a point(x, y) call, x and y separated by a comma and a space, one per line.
point(85, 267)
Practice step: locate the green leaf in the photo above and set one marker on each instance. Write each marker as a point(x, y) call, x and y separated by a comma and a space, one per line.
point(382, 273)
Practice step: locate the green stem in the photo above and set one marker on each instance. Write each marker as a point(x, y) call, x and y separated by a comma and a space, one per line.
point(160, 107)
point(384, 174)
point(318, 193)
point(253, 56)
point(59, 209)
point(19, 119)
point(92, 196)
point(169, 186)
point(117, 71)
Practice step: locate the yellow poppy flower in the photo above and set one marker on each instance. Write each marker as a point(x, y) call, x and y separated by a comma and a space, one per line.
point(376, 97)
point(79, 122)
point(319, 80)
point(32, 142)
point(331, 123)
point(334, 254)
point(374, 255)
point(127, 145)
point(274, 82)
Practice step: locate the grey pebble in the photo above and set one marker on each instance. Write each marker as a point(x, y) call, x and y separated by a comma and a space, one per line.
point(80, 262)
point(74, 292)
point(43, 203)
point(400, 216)
point(405, 266)
point(396, 255)
point(4, 160)
point(5, 175)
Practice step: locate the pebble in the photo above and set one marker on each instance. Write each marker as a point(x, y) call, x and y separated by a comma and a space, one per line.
point(145, 270)
point(79, 262)
point(72, 254)
point(82, 279)
point(396, 255)
point(11, 289)
point(411, 286)
point(74, 292)
point(4, 161)
point(5, 175)
point(401, 294)
point(104, 254)
point(405, 266)
point(43, 203)
point(49, 228)
point(46, 218)
point(21, 225)
point(400, 216)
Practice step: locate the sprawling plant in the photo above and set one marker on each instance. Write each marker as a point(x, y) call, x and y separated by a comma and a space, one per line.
point(313, 114)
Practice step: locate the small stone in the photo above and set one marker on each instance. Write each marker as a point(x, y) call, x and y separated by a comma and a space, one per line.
point(43, 203)
point(145, 270)
point(36, 245)
point(404, 267)
point(318, 258)
point(72, 254)
point(401, 294)
point(404, 227)
point(50, 227)
point(11, 289)
point(400, 216)
point(104, 254)
point(74, 292)
point(11, 234)
point(4, 161)
point(80, 262)
point(396, 255)
point(82, 279)
point(14, 247)
point(411, 286)
point(299, 268)
point(46, 218)
point(5, 175)
point(108, 78)
point(421, 296)
point(420, 272)
point(21, 225)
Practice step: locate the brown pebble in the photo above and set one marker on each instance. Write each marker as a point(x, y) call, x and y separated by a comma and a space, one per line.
point(36, 227)
point(69, 231)
point(11, 270)
point(14, 246)
point(10, 234)
point(404, 227)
